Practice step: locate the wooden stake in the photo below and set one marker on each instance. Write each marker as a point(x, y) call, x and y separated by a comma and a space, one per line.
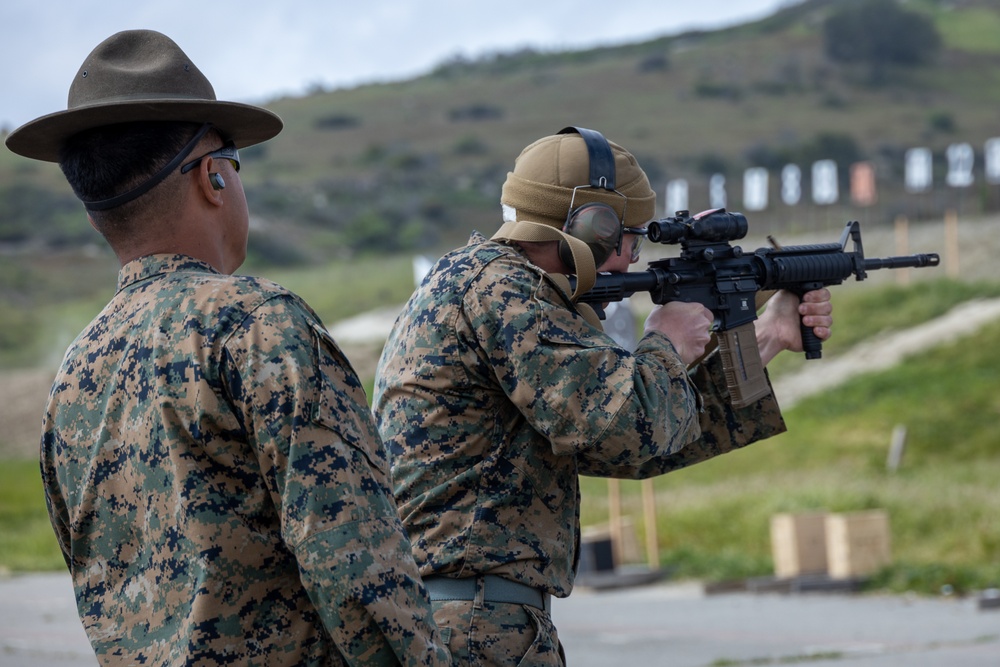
point(951, 243)
point(902, 248)
point(615, 520)
point(896, 448)
point(649, 513)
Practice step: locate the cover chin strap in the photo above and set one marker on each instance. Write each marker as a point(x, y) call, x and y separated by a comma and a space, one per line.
point(523, 230)
point(583, 258)
point(152, 181)
point(585, 310)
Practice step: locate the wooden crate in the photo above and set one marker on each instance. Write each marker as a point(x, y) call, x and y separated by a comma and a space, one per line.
point(597, 550)
point(857, 543)
point(798, 544)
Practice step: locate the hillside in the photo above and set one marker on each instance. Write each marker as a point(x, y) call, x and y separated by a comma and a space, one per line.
point(394, 169)
point(416, 164)
point(419, 163)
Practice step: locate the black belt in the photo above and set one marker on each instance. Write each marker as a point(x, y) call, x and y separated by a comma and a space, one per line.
point(496, 589)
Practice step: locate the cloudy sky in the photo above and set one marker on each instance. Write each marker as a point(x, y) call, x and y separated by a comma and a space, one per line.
point(253, 50)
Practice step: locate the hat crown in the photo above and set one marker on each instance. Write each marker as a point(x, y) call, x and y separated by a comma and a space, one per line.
point(140, 76)
point(541, 185)
point(556, 160)
point(137, 64)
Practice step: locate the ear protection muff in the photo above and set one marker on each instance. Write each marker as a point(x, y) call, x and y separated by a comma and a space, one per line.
point(595, 223)
point(216, 180)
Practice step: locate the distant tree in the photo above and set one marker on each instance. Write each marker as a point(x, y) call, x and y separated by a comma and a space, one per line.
point(841, 148)
point(476, 112)
point(880, 33)
point(711, 163)
point(337, 122)
point(657, 62)
point(470, 145)
point(942, 121)
point(708, 88)
point(763, 155)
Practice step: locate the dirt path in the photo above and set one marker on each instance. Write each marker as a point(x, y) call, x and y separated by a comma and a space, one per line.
point(885, 351)
point(22, 402)
point(23, 392)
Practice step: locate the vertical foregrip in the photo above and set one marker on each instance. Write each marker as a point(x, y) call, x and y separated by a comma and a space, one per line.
point(811, 343)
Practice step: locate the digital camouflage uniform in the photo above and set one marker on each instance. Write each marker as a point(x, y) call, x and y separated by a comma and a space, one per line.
point(493, 395)
point(217, 487)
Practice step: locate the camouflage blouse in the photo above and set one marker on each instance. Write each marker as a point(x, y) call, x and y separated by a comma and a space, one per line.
point(493, 395)
point(217, 486)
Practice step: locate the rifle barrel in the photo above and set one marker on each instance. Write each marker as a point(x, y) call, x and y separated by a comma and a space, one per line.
point(906, 261)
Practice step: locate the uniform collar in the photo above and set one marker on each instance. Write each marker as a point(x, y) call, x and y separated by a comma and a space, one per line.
point(152, 265)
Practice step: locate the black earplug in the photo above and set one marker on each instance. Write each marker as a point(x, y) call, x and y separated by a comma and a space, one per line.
point(217, 182)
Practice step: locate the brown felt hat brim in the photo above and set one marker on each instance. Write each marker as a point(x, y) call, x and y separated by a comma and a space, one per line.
point(42, 138)
point(140, 75)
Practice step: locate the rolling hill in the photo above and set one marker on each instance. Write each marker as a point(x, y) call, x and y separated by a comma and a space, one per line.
point(417, 164)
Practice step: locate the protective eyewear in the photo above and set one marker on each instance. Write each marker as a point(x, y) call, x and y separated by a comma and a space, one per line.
point(227, 152)
point(641, 233)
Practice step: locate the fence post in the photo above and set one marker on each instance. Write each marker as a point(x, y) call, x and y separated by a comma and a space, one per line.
point(649, 514)
point(615, 520)
point(902, 248)
point(951, 243)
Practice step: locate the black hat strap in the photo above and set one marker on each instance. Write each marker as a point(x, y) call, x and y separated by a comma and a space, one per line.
point(153, 181)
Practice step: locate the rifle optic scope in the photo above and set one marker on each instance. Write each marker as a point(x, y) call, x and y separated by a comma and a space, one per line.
point(715, 225)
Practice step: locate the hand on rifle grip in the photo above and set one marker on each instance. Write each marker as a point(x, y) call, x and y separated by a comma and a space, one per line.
point(811, 344)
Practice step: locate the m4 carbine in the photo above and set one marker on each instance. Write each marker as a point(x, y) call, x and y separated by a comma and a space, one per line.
point(713, 272)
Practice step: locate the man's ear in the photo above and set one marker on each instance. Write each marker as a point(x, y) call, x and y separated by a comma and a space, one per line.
point(209, 182)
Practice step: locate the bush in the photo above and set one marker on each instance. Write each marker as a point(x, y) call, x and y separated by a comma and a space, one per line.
point(337, 122)
point(942, 121)
point(880, 33)
point(655, 63)
point(476, 112)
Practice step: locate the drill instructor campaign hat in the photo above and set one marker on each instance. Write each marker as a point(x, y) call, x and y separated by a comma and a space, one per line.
point(140, 75)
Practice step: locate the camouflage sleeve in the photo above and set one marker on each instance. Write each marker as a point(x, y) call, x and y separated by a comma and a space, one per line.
point(305, 412)
point(574, 384)
point(722, 427)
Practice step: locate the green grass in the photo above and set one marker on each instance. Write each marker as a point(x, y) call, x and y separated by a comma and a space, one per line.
point(39, 332)
point(863, 311)
point(26, 539)
point(973, 30)
point(714, 518)
point(339, 290)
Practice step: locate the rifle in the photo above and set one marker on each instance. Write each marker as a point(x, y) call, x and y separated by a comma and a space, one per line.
point(718, 275)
